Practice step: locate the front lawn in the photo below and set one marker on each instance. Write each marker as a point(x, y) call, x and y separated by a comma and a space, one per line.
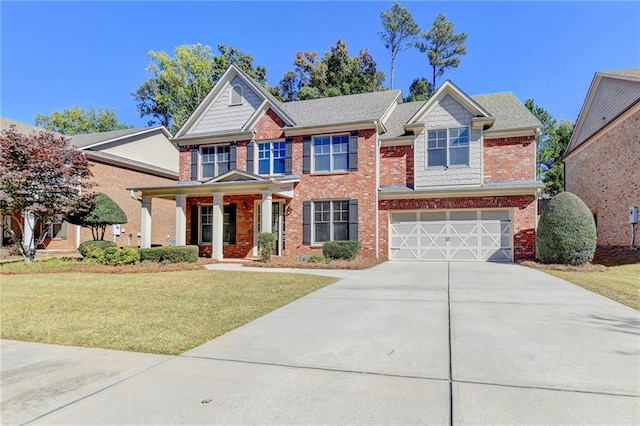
point(164, 313)
point(620, 283)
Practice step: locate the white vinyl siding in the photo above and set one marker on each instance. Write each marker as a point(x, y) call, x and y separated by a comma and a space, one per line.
point(166, 154)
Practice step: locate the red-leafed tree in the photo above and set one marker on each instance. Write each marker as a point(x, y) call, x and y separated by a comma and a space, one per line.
point(42, 178)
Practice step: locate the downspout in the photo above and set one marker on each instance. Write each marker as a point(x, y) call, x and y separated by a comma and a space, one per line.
point(377, 189)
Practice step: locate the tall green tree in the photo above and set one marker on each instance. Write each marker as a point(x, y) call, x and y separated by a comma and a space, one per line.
point(74, 120)
point(180, 82)
point(336, 74)
point(552, 144)
point(443, 46)
point(400, 33)
point(43, 178)
point(419, 90)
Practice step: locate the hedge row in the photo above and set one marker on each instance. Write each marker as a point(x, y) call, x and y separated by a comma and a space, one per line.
point(108, 253)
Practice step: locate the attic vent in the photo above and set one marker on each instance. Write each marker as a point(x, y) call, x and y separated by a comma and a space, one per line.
point(235, 98)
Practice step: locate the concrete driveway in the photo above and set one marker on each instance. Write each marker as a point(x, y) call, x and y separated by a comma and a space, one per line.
point(402, 343)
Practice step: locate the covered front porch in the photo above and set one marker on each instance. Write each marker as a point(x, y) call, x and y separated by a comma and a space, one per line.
point(223, 215)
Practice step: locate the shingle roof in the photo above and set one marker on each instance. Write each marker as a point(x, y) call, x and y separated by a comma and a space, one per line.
point(84, 140)
point(400, 116)
point(21, 127)
point(341, 109)
point(508, 111)
point(628, 72)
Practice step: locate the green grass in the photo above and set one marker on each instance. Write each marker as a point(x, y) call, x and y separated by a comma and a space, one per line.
point(165, 313)
point(620, 283)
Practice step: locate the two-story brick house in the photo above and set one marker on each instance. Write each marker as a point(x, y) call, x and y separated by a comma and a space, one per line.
point(450, 178)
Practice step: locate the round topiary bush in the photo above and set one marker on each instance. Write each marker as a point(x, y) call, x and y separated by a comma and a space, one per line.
point(566, 231)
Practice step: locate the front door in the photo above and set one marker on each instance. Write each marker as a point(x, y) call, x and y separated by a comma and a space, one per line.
point(277, 225)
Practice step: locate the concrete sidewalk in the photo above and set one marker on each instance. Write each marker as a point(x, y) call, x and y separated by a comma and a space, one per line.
point(401, 343)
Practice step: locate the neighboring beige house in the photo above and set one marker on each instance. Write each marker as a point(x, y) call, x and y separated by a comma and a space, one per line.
point(602, 161)
point(144, 155)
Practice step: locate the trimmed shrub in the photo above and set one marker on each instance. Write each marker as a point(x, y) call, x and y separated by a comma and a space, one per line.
point(102, 244)
point(115, 256)
point(178, 254)
point(266, 244)
point(169, 254)
point(341, 249)
point(566, 231)
point(93, 253)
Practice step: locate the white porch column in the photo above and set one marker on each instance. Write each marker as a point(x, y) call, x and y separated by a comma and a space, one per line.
point(145, 222)
point(217, 243)
point(181, 220)
point(267, 208)
point(29, 227)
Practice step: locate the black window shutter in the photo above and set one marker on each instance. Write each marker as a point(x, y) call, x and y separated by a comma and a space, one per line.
point(231, 209)
point(353, 151)
point(194, 225)
point(250, 157)
point(232, 156)
point(288, 156)
point(194, 164)
point(306, 154)
point(306, 223)
point(353, 220)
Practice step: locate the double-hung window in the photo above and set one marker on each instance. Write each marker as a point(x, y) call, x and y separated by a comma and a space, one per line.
point(214, 160)
point(330, 221)
point(271, 158)
point(228, 224)
point(331, 153)
point(448, 147)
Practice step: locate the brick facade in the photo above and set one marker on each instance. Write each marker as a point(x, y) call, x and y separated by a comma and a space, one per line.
point(605, 174)
point(112, 180)
point(509, 158)
point(396, 165)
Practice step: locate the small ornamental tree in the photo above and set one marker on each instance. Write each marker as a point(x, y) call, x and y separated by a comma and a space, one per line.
point(566, 231)
point(41, 179)
point(103, 212)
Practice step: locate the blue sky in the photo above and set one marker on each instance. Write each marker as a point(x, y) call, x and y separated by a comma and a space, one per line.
point(55, 55)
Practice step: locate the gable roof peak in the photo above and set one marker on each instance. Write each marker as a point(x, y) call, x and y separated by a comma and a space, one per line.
point(225, 79)
point(449, 88)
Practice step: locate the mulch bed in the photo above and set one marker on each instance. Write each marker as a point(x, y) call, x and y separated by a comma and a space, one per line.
point(293, 262)
point(605, 256)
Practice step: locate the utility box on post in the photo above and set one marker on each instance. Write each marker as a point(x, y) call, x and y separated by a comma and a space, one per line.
point(633, 214)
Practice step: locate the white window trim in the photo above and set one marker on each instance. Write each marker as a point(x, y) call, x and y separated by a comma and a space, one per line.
point(216, 171)
point(331, 230)
point(232, 89)
point(331, 167)
point(200, 223)
point(256, 157)
point(447, 148)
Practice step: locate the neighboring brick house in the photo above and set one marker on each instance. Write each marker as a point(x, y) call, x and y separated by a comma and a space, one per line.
point(602, 161)
point(450, 178)
point(117, 158)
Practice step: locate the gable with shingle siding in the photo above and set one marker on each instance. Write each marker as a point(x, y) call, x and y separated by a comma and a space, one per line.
point(222, 116)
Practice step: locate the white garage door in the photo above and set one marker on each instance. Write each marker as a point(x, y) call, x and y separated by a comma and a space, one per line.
point(451, 235)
